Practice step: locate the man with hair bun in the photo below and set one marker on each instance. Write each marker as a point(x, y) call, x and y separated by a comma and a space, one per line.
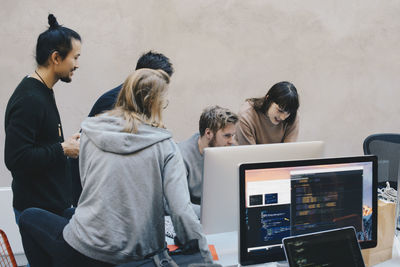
point(35, 150)
point(216, 128)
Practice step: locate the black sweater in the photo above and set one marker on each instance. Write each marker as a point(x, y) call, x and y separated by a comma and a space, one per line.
point(33, 151)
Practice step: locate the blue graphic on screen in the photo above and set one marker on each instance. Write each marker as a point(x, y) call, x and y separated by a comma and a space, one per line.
point(271, 198)
point(366, 234)
point(275, 223)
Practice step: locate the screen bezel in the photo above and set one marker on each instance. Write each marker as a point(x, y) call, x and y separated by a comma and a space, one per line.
point(244, 257)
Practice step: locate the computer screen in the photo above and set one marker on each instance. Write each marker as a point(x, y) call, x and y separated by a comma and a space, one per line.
point(281, 199)
point(338, 247)
point(220, 195)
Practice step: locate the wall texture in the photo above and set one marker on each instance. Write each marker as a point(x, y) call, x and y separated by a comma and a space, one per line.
point(342, 55)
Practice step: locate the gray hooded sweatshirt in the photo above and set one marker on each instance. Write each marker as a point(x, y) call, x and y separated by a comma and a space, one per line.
point(125, 179)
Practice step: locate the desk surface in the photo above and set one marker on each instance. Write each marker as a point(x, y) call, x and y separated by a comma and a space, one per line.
point(226, 245)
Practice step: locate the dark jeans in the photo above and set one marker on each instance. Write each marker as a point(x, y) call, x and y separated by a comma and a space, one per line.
point(67, 213)
point(44, 244)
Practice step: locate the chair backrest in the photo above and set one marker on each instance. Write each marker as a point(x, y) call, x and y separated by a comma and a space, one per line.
point(6, 255)
point(386, 146)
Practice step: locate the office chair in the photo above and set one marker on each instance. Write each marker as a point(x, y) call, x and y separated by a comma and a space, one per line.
point(386, 146)
point(6, 255)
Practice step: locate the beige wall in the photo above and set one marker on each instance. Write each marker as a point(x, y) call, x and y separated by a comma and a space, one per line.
point(342, 55)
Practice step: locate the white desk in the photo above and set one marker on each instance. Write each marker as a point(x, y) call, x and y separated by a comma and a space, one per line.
point(226, 245)
point(7, 220)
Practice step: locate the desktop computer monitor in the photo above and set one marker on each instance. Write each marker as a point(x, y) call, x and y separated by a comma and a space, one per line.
point(220, 195)
point(290, 198)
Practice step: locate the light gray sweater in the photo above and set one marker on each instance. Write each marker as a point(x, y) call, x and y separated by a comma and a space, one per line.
point(125, 178)
point(194, 165)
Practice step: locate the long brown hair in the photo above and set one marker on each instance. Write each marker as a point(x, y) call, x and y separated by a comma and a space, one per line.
point(141, 99)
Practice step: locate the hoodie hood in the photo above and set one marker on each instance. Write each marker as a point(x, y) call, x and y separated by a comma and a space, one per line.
point(106, 133)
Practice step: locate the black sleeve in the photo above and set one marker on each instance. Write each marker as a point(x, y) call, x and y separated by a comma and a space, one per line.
point(22, 128)
point(104, 103)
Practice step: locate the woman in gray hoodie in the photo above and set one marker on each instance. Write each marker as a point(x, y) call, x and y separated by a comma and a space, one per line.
point(131, 170)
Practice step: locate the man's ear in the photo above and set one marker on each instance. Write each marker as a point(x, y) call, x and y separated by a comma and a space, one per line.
point(208, 134)
point(55, 58)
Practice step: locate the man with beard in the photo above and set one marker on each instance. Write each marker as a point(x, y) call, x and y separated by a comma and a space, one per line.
point(216, 128)
point(35, 149)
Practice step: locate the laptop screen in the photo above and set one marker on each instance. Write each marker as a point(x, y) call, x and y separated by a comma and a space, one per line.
point(328, 248)
point(282, 199)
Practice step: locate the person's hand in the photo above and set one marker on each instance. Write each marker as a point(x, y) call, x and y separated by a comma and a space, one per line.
point(71, 146)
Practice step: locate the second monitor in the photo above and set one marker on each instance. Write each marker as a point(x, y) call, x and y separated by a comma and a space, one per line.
point(291, 198)
point(220, 197)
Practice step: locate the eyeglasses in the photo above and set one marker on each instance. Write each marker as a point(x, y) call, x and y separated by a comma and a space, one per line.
point(166, 104)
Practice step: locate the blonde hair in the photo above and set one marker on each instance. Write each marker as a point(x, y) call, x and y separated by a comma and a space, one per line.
point(141, 99)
